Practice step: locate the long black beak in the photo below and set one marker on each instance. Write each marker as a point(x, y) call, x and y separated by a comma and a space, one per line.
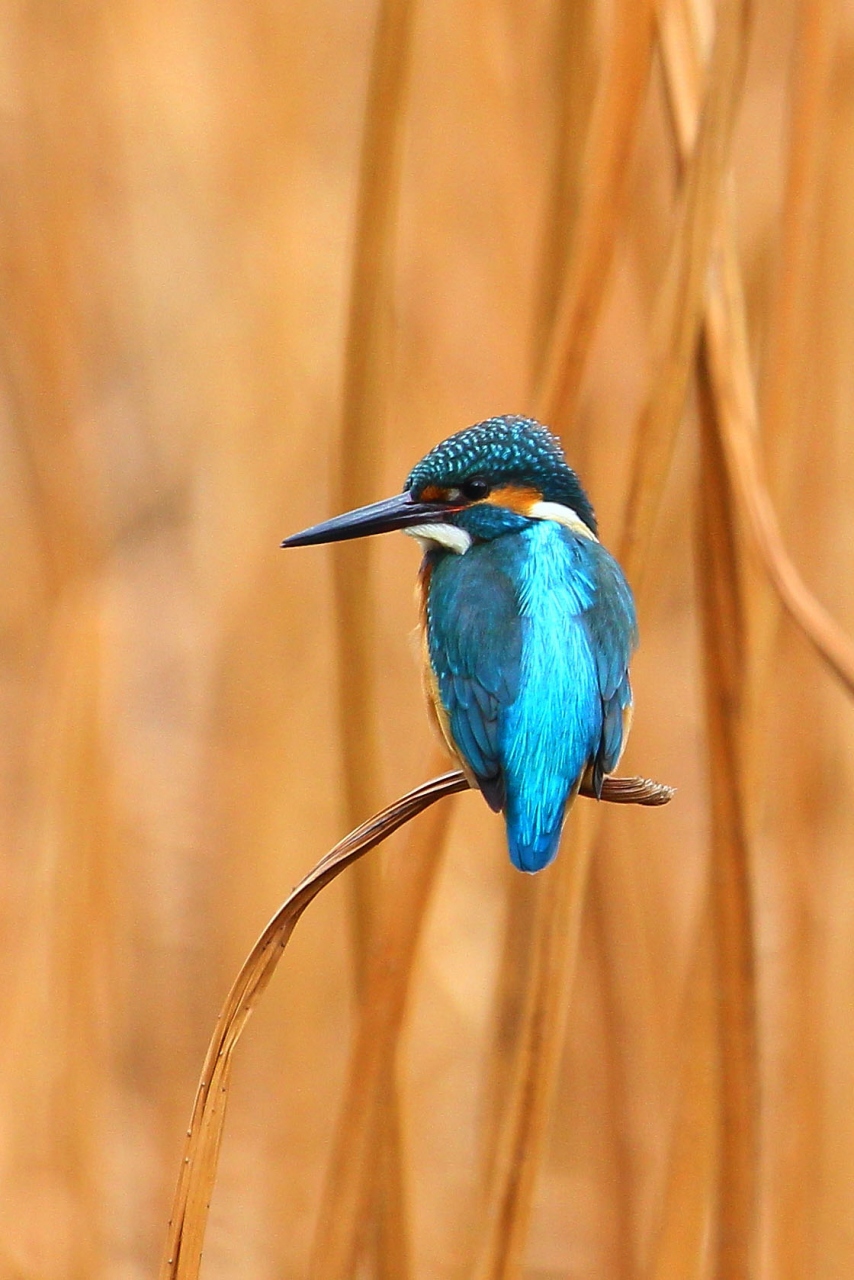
point(399, 512)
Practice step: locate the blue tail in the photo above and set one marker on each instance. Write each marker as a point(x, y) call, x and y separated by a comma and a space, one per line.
point(532, 854)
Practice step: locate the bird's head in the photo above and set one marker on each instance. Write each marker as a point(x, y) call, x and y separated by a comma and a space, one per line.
point(491, 479)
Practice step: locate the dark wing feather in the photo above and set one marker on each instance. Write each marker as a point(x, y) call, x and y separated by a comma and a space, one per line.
point(474, 636)
point(612, 628)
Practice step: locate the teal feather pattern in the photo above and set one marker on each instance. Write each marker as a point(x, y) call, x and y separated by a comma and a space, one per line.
point(529, 636)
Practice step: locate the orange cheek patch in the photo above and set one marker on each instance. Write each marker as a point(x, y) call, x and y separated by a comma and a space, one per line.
point(515, 497)
point(432, 493)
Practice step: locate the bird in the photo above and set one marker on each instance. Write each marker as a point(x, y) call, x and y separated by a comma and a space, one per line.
point(528, 623)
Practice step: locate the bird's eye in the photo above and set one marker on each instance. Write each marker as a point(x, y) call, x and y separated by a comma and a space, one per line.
point(475, 488)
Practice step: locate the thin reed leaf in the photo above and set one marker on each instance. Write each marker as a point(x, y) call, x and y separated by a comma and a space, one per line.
point(198, 1171)
point(734, 388)
point(793, 1147)
point(719, 577)
point(371, 1075)
point(606, 154)
point(678, 313)
point(367, 357)
point(557, 905)
point(574, 73)
point(681, 1244)
point(363, 414)
point(201, 1152)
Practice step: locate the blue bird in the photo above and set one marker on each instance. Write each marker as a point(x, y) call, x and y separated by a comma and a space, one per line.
point(528, 623)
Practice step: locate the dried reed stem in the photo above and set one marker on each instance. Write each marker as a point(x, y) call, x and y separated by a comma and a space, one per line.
point(350, 1180)
point(731, 366)
point(792, 1158)
point(55, 1040)
point(363, 413)
point(735, 393)
point(724, 647)
point(731, 371)
point(188, 1222)
point(678, 313)
point(198, 1172)
point(558, 898)
point(574, 71)
point(681, 1245)
point(607, 149)
point(813, 48)
point(367, 359)
point(724, 654)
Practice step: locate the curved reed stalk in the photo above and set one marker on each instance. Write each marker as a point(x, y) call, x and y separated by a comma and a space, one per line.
point(352, 1168)
point(734, 388)
point(198, 1171)
point(733, 381)
point(188, 1222)
point(730, 367)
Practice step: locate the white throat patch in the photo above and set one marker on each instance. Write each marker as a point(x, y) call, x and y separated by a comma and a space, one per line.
point(562, 515)
point(448, 536)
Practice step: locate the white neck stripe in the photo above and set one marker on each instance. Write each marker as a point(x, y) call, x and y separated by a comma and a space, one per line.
point(561, 515)
point(450, 537)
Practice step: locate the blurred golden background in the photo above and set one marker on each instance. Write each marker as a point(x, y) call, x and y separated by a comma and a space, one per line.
point(256, 259)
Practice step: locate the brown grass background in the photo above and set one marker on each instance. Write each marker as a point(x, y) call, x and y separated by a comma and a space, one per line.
point(255, 259)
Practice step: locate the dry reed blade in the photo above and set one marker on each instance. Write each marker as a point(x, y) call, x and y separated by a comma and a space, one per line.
point(198, 1172)
point(371, 1071)
point(733, 380)
point(558, 899)
point(719, 576)
point(678, 313)
point(734, 390)
point(363, 412)
point(792, 1145)
point(574, 72)
point(783, 369)
point(188, 1222)
point(52, 1071)
point(689, 1202)
point(607, 150)
point(724, 652)
point(813, 49)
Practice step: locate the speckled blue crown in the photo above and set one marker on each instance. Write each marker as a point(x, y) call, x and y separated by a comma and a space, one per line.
point(505, 450)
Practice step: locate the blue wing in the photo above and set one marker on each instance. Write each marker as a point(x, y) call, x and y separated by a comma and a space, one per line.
point(474, 636)
point(611, 626)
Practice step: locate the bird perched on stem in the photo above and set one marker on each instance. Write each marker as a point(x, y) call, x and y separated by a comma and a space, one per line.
point(528, 622)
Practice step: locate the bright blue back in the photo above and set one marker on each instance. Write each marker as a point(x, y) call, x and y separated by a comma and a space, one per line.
point(530, 636)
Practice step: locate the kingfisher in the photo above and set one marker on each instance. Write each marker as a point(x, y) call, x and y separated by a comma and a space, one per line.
point(528, 623)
